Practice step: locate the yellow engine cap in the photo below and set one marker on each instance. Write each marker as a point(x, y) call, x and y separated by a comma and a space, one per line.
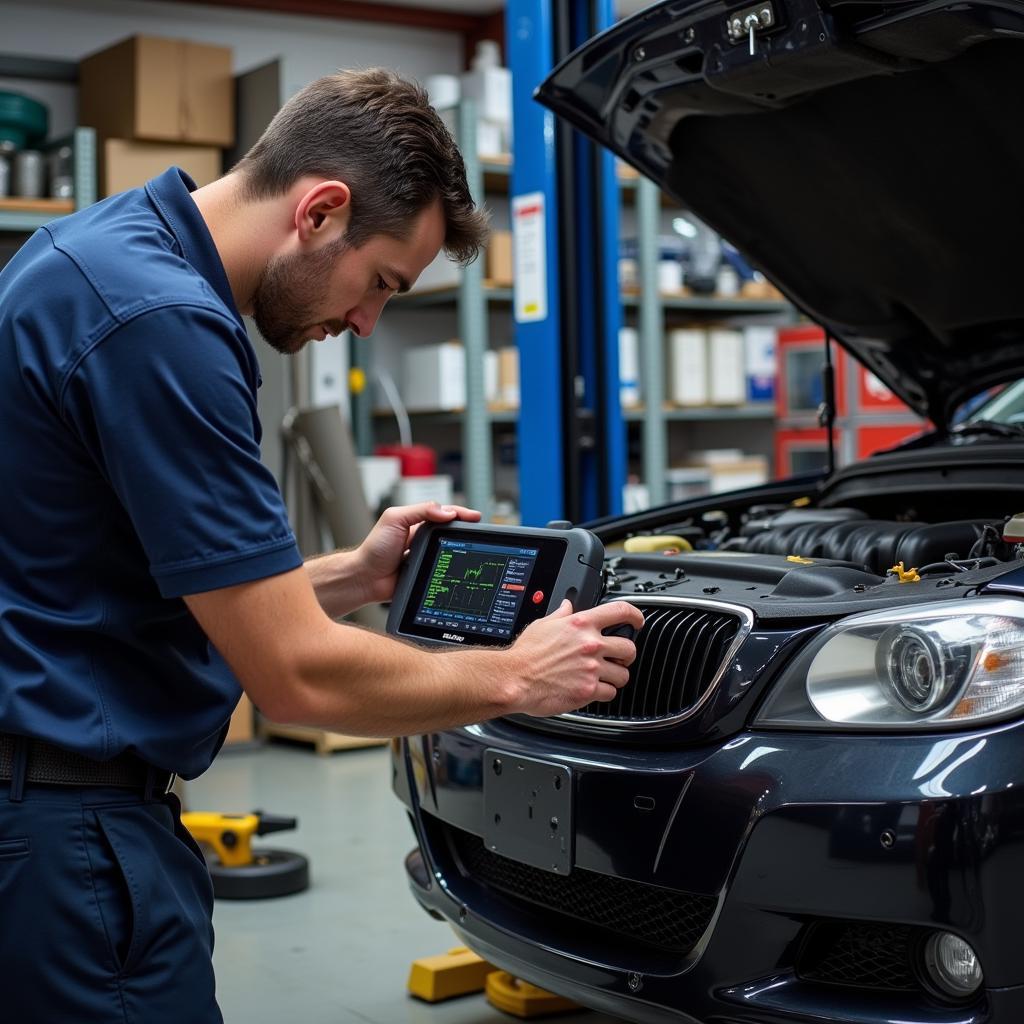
point(655, 542)
point(905, 575)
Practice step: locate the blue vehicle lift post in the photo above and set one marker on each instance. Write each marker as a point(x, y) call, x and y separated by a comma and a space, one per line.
point(572, 441)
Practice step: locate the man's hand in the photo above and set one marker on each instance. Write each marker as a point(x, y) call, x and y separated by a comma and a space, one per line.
point(563, 661)
point(380, 556)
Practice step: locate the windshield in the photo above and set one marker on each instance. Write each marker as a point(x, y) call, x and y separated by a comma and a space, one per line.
point(1000, 405)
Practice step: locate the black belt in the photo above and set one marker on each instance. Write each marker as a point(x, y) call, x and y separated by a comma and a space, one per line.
point(48, 763)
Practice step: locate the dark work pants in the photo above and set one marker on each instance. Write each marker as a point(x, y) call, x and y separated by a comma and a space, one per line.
point(105, 910)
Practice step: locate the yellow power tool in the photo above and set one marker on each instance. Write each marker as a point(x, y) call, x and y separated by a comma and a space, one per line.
point(240, 872)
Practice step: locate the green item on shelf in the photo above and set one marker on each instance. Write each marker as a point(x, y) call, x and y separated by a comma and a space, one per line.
point(23, 120)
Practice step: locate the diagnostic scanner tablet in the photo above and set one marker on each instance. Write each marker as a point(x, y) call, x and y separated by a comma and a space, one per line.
point(476, 583)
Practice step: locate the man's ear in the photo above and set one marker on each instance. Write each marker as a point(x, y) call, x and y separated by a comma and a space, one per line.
point(322, 213)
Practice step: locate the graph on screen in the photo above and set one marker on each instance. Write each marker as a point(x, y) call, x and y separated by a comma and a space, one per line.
point(464, 582)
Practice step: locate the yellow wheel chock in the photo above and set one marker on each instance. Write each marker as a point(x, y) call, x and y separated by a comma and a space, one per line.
point(521, 999)
point(455, 973)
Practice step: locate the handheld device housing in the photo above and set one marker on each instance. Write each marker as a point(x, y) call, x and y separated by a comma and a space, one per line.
point(477, 583)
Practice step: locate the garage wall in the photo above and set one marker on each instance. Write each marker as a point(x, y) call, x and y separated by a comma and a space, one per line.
point(308, 47)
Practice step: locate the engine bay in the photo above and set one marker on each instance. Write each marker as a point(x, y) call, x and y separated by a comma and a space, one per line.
point(796, 562)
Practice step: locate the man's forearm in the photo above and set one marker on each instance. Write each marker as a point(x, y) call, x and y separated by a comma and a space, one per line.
point(338, 583)
point(356, 681)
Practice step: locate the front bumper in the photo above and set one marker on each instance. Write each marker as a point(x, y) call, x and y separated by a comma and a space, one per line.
point(768, 836)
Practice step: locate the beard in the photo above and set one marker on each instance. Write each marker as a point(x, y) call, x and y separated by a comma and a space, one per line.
point(289, 290)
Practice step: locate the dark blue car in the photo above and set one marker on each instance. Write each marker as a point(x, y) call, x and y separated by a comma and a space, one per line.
point(808, 803)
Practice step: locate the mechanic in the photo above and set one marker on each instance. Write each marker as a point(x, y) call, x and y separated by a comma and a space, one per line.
point(147, 567)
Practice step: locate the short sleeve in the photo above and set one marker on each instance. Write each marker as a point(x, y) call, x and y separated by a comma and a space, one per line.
point(166, 406)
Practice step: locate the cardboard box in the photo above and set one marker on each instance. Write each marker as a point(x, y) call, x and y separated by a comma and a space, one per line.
point(124, 164)
point(159, 90)
point(240, 727)
point(435, 377)
point(730, 469)
point(498, 269)
point(749, 471)
point(508, 376)
point(688, 359)
point(727, 370)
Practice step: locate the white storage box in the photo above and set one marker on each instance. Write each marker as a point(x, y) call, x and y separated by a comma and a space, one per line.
point(492, 389)
point(761, 363)
point(435, 377)
point(727, 374)
point(379, 474)
point(688, 362)
point(687, 482)
point(411, 490)
point(629, 367)
point(491, 88)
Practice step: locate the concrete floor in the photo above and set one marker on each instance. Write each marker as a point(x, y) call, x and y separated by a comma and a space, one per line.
point(341, 951)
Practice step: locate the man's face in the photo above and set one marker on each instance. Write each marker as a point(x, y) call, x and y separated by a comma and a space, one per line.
point(308, 295)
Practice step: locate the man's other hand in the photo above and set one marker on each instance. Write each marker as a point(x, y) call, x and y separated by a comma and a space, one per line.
point(380, 555)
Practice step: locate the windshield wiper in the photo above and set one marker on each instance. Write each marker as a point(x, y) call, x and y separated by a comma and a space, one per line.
point(993, 428)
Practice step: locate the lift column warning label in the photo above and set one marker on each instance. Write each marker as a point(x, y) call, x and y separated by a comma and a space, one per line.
point(530, 251)
point(477, 587)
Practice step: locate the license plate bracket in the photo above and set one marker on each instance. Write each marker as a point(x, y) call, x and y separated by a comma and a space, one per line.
point(528, 810)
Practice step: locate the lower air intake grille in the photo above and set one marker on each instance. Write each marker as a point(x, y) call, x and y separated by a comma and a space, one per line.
point(862, 955)
point(679, 652)
point(665, 918)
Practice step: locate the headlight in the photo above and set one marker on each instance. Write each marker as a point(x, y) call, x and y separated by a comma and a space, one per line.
point(924, 665)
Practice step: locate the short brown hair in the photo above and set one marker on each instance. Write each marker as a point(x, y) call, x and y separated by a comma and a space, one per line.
point(379, 134)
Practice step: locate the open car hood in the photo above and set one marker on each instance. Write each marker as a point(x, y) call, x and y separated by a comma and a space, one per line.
point(868, 158)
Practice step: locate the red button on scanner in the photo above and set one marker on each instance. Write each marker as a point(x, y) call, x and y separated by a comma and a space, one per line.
point(538, 596)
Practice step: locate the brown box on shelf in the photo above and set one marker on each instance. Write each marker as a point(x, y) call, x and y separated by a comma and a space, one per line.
point(499, 258)
point(508, 377)
point(124, 164)
point(730, 468)
point(241, 726)
point(163, 90)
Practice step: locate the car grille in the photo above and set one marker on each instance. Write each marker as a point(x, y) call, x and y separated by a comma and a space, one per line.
point(668, 919)
point(863, 955)
point(680, 651)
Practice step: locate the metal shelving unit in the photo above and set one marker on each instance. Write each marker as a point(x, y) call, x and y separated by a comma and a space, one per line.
point(470, 298)
point(449, 416)
point(500, 295)
point(477, 464)
point(83, 142)
point(449, 296)
point(698, 414)
point(653, 309)
point(712, 304)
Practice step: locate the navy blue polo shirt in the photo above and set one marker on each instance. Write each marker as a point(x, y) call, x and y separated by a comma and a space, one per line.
point(131, 475)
